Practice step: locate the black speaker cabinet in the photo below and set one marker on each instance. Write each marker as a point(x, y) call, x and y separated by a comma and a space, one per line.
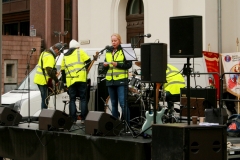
point(209, 94)
point(100, 123)
point(54, 120)
point(9, 117)
point(153, 62)
point(180, 141)
point(186, 36)
point(101, 94)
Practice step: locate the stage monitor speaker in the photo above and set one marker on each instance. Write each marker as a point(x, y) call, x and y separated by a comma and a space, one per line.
point(9, 117)
point(188, 142)
point(153, 62)
point(186, 36)
point(100, 123)
point(54, 120)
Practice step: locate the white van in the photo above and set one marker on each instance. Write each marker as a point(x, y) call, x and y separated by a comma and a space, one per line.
point(18, 98)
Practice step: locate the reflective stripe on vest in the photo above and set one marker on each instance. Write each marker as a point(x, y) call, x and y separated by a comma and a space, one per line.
point(113, 72)
point(73, 64)
point(175, 80)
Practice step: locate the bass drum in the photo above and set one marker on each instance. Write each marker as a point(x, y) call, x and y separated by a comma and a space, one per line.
point(109, 108)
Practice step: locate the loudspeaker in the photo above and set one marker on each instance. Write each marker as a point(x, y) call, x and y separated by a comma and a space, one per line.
point(9, 117)
point(180, 141)
point(186, 36)
point(100, 123)
point(153, 62)
point(101, 94)
point(54, 120)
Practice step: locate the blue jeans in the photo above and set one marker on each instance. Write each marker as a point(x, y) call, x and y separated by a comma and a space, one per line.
point(44, 94)
point(118, 93)
point(78, 89)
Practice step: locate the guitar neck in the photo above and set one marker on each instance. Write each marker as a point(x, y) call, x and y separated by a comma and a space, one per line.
point(91, 64)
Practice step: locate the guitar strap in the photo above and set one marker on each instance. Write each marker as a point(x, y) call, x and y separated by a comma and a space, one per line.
point(47, 82)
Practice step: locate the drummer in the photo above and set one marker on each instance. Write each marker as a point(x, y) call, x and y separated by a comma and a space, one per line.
point(175, 81)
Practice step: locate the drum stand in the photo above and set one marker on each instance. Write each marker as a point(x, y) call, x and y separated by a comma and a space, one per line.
point(168, 117)
point(141, 119)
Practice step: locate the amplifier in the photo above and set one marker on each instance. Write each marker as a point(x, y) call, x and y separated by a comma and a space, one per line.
point(209, 94)
point(101, 70)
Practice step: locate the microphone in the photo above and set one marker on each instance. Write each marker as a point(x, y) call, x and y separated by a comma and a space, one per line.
point(107, 47)
point(33, 49)
point(146, 35)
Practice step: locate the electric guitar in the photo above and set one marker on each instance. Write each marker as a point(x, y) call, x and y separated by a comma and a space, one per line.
point(149, 121)
point(146, 128)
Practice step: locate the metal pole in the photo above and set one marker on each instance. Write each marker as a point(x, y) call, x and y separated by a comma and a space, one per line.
point(1, 50)
point(220, 31)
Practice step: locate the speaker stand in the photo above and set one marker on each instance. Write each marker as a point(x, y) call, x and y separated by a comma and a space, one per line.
point(187, 71)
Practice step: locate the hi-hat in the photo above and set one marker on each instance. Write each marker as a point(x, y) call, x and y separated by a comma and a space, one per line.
point(138, 63)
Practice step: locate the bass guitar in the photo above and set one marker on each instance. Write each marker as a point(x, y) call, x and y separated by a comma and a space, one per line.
point(146, 128)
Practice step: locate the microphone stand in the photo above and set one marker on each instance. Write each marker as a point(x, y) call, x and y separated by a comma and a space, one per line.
point(54, 84)
point(27, 73)
point(135, 45)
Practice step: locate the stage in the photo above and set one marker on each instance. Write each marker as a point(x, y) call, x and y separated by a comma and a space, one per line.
point(27, 142)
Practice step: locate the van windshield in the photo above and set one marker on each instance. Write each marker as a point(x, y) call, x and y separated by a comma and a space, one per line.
point(32, 86)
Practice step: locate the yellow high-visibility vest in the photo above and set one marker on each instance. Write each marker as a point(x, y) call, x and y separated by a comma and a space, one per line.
point(174, 81)
point(47, 60)
point(72, 64)
point(113, 72)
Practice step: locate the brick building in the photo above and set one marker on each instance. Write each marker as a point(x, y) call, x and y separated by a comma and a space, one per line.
point(28, 24)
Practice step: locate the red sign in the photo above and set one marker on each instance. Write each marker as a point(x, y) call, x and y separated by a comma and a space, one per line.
point(212, 64)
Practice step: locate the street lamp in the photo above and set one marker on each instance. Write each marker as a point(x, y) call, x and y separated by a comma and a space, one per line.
point(60, 34)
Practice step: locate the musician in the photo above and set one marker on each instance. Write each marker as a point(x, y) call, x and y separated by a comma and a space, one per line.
point(117, 77)
point(46, 71)
point(175, 81)
point(73, 69)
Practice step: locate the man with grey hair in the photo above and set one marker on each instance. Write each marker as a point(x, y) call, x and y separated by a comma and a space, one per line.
point(46, 72)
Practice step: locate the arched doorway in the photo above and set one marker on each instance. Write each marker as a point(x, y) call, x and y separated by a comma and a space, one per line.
point(135, 22)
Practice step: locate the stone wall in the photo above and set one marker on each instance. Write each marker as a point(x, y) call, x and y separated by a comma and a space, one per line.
point(19, 49)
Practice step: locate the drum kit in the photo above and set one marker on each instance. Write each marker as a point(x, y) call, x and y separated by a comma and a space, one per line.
point(141, 93)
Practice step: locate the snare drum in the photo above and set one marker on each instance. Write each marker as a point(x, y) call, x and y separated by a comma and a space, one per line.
point(134, 85)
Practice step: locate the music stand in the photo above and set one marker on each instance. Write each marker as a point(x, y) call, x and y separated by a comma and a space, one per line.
point(129, 55)
point(129, 52)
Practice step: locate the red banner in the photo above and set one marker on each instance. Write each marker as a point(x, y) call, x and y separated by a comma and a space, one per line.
point(212, 64)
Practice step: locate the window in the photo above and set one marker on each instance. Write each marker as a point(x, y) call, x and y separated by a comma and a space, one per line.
point(68, 20)
point(9, 70)
point(135, 22)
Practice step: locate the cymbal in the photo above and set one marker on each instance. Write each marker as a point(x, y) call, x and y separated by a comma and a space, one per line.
point(138, 63)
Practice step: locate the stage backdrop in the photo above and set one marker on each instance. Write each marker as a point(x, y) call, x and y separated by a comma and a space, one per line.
point(231, 63)
point(212, 64)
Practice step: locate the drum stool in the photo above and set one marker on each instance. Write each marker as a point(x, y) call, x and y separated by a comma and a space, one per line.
point(170, 117)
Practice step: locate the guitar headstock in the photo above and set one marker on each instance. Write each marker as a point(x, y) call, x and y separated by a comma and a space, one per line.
point(95, 56)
